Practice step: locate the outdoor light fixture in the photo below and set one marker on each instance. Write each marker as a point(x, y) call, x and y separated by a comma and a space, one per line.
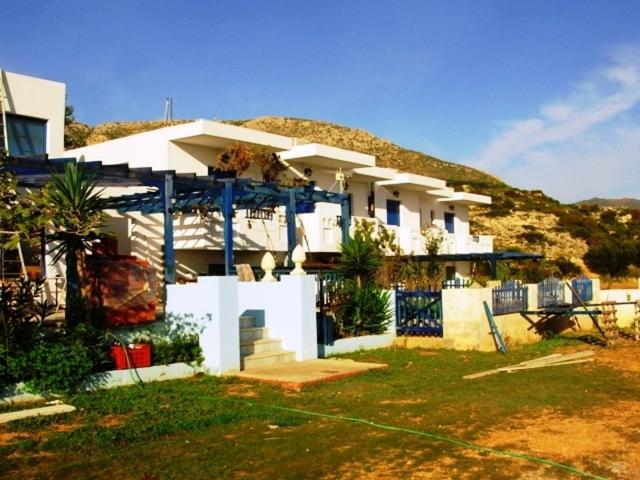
point(308, 172)
point(396, 193)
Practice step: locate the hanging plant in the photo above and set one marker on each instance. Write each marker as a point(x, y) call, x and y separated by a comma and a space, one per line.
point(238, 158)
point(234, 159)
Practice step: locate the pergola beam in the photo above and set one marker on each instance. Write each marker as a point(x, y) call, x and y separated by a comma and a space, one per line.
point(179, 192)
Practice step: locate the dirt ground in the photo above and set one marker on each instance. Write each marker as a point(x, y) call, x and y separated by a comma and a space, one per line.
point(574, 438)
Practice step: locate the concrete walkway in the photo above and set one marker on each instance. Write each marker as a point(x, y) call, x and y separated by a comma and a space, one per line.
point(295, 375)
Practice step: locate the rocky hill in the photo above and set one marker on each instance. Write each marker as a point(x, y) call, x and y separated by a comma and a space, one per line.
point(612, 202)
point(518, 219)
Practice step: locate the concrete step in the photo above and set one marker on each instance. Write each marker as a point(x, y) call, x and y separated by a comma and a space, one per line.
point(266, 359)
point(247, 321)
point(254, 333)
point(260, 346)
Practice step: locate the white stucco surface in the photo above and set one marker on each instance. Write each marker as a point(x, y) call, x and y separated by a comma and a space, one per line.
point(41, 99)
point(211, 306)
point(287, 308)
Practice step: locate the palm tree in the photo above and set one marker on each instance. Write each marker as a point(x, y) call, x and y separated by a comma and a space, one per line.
point(78, 216)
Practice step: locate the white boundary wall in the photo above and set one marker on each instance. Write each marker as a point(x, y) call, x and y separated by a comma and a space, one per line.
point(212, 307)
point(287, 308)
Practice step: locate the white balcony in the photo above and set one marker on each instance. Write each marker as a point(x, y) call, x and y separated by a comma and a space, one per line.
point(457, 243)
point(317, 233)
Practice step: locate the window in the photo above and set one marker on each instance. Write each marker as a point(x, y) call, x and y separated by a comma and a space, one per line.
point(371, 202)
point(393, 212)
point(450, 273)
point(448, 222)
point(27, 136)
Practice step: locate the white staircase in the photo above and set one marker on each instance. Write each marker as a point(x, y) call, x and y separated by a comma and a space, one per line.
point(257, 349)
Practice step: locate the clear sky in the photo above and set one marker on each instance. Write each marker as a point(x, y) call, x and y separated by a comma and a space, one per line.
point(545, 94)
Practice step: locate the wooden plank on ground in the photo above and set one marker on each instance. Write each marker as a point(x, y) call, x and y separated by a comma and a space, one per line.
point(556, 364)
point(35, 412)
point(547, 361)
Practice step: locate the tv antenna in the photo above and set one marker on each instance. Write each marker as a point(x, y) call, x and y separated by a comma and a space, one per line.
point(168, 110)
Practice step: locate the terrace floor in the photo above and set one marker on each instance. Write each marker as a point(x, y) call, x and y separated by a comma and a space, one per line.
point(296, 375)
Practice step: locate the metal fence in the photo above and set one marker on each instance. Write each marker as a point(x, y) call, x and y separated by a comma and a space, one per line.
point(419, 313)
point(550, 293)
point(583, 286)
point(510, 297)
point(456, 283)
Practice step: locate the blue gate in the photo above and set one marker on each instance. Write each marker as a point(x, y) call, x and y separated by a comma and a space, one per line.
point(510, 297)
point(419, 313)
point(550, 293)
point(583, 286)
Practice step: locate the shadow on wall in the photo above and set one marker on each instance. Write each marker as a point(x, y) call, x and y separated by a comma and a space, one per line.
point(259, 315)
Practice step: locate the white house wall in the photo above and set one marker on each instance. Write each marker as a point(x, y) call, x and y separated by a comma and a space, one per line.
point(150, 150)
point(41, 99)
point(193, 148)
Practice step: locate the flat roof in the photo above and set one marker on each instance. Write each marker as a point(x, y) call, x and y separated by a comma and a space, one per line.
point(318, 155)
point(411, 181)
point(466, 198)
point(209, 133)
point(374, 174)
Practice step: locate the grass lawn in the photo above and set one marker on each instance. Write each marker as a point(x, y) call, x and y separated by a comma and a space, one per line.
point(205, 427)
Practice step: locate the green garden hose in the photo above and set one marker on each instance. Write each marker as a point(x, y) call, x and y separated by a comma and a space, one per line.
point(136, 381)
point(435, 436)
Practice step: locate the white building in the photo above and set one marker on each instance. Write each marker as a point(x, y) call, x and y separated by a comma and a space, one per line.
point(404, 203)
point(33, 115)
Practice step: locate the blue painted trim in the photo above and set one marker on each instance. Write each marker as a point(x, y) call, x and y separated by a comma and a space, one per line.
point(227, 212)
point(494, 329)
point(345, 209)
point(291, 225)
point(169, 254)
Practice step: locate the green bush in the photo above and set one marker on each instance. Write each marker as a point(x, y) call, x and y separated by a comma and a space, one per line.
point(362, 307)
point(179, 348)
point(533, 237)
point(57, 366)
point(498, 212)
point(567, 268)
point(611, 257)
point(365, 310)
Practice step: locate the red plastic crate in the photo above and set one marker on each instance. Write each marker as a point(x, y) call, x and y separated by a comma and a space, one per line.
point(139, 356)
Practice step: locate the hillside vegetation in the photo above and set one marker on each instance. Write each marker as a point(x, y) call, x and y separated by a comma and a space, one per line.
point(611, 202)
point(518, 219)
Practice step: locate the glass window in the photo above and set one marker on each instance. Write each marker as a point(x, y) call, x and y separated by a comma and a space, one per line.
point(393, 212)
point(27, 136)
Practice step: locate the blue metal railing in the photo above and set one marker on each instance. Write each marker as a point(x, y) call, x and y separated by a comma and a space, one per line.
point(456, 283)
point(583, 286)
point(328, 283)
point(550, 293)
point(419, 313)
point(510, 297)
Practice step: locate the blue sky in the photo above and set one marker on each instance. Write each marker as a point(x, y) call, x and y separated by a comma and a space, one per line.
point(544, 94)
